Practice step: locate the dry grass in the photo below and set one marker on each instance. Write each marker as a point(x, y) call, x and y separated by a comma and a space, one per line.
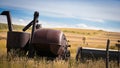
point(94, 38)
point(2, 47)
point(24, 62)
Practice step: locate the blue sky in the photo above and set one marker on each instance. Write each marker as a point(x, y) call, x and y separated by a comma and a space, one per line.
point(85, 14)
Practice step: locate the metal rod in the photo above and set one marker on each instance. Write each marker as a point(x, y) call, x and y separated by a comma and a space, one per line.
point(7, 13)
point(107, 54)
point(35, 20)
point(36, 15)
point(26, 27)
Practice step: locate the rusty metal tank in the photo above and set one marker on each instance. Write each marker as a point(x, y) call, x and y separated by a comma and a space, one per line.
point(17, 40)
point(49, 42)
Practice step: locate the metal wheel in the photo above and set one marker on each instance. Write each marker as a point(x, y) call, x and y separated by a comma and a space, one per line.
point(79, 54)
point(67, 55)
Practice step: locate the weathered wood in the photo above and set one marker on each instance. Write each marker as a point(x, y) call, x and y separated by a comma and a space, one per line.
point(118, 56)
point(97, 53)
point(107, 54)
point(118, 45)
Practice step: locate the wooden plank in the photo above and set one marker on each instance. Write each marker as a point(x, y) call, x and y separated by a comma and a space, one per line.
point(96, 54)
point(118, 45)
point(107, 53)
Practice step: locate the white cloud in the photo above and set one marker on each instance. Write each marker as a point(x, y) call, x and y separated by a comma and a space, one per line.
point(3, 19)
point(81, 10)
point(94, 20)
point(85, 26)
point(21, 20)
point(98, 12)
point(81, 25)
point(46, 24)
point(91, 11)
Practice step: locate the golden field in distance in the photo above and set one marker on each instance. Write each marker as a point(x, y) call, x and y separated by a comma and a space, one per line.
point(93, 38)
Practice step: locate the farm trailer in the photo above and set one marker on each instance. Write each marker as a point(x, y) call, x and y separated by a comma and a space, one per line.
point(86, 53)
point(43, 42)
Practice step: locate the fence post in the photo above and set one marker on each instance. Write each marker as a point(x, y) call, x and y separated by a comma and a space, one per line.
point(107, 54)
point(118, 46)
point(118, 56)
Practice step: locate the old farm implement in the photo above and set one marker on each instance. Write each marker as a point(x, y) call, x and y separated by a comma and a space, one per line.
point(41, 41)
point(84, 53)
point(51, 43)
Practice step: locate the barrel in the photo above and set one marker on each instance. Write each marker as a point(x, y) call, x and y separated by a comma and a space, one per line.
point(17, 39)
point(48, 41)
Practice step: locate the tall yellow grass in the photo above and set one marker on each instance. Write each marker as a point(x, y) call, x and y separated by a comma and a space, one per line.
point(24, 62)
point(75, 40)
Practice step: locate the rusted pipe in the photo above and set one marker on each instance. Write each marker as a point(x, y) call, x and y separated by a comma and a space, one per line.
point(30, 24)
point(36, 15)
point(26, 27)
point(7, 13)
point(31, 48)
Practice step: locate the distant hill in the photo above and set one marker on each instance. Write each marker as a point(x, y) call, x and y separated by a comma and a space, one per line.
point(86, 32)
point(4, 26)
point(94, 38)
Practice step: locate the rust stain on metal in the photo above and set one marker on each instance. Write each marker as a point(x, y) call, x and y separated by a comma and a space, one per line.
point(17, 39)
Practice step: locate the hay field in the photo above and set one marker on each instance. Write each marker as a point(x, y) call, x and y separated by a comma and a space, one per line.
point(94, 38)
